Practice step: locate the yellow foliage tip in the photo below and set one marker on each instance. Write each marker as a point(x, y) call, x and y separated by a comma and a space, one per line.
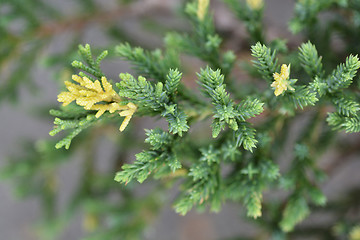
point(90, 222)
point(127, 113)
point(255, 4)
point(256, 199)
point(202, 9)
point(281, 82)
point(355, 233)
point(95, 96)
point(86, 93)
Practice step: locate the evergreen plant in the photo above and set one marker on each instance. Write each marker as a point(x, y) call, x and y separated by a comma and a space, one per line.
point(218, 137)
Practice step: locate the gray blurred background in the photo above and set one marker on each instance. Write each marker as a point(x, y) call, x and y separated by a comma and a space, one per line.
point(18, 218)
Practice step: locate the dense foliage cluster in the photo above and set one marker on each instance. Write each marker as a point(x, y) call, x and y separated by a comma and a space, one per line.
point(224, 139)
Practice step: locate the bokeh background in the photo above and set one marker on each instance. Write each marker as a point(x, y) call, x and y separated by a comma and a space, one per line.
point(144, 23)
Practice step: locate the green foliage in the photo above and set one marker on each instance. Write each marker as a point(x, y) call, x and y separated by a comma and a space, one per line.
point(75, 118)
point(297, 207)
point(252, 202)
point(334, 86)
point(301, 97)
point(266, 62)
point(346, 106)
point(296, 210)
point(226, 112)
point(156, 98)
point(310, 60)
point(254, 131)
point(204, 185)
point(245, 136)
point(172, 81)
point(249, 108)
point(251, 17)
point(343, 76)
point(203, 42)
point(319, 86)
point(76, 125)
point(126, 219)
point(340, 122)
point(93, 66)
point(159, 158)
point(306, 13)
point(249, 182)
point(150, 64)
